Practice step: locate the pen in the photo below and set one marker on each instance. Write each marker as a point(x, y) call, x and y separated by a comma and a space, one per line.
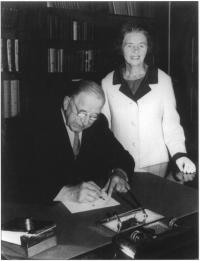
point(137, 202)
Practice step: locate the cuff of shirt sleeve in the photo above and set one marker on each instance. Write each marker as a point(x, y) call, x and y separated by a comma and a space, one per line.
point(179, 155)
point(121, 173)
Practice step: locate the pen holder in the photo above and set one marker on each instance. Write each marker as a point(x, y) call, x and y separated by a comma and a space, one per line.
point(131, 219)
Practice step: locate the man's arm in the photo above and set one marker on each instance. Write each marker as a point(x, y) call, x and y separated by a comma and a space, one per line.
point(120, 162)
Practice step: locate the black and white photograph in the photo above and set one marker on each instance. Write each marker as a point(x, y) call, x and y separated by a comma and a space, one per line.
point(99, 130)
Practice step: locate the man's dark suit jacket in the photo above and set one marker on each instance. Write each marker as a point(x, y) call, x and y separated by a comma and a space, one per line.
point(55, 166)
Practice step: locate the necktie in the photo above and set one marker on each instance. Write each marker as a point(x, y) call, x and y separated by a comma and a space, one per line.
point(76, 145)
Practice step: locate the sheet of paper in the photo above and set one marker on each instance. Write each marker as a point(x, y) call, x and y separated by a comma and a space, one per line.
point(75, 207)
point(12, 236)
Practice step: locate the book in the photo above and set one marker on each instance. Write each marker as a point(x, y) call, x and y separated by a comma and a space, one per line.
point(6, 98)
point(75, 30)
point(4, 61)
point(14, 97)
point(52, 57)
point(27, 236)
point(10, 54)
point(16, 55)
point(60, 63)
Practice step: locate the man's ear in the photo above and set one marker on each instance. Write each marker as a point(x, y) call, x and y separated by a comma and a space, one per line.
point(66, 102)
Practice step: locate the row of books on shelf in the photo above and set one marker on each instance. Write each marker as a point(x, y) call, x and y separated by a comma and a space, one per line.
point(79, 61)
point(10, 53)
point(10, 98)
point(131, 8)
point(89, 6)
point(63, 4)
point(60, 28)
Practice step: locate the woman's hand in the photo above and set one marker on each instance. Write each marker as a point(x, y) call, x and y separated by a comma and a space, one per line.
point(187, 169)
point(186, 165)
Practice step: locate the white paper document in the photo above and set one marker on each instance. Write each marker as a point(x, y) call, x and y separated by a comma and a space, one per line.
point(75, 207)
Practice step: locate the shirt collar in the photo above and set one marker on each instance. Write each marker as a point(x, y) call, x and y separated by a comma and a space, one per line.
point(70, 132)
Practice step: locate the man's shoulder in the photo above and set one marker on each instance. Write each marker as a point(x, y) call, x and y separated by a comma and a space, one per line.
point(101, 121)
point(101, 124)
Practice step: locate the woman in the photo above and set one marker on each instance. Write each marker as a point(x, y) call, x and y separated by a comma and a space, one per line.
point(141, 106)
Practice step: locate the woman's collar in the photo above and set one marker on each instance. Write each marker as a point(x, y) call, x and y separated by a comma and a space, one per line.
point(151, 74)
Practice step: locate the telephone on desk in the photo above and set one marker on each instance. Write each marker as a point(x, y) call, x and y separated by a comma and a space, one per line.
point(164, 238)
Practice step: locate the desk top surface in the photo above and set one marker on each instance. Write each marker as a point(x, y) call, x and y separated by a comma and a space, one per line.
point(79, 233)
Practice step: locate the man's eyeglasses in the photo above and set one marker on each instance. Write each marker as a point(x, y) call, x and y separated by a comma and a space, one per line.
point(83, 114)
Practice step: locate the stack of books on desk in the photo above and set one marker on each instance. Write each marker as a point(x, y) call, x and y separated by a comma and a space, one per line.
point(26, 237)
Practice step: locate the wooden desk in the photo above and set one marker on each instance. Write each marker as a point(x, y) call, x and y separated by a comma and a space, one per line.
point(78, 233)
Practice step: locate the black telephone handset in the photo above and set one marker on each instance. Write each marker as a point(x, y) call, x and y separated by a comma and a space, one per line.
point(157, 239)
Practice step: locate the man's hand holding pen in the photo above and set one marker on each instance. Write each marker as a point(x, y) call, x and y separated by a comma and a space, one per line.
point(90, 191)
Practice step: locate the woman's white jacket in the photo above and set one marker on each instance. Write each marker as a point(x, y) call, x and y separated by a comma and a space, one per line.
point(148, 127)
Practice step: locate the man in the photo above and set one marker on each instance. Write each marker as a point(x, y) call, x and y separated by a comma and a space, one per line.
point(78, 157)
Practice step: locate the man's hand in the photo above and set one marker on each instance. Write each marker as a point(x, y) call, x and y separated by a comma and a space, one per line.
point(185, 165)
point(82, 193)
point(116, 182)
